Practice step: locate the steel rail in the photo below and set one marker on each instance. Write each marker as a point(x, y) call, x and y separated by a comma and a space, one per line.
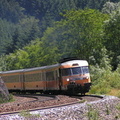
point(55, 106)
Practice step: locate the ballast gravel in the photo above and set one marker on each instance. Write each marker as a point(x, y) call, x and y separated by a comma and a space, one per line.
point(107, 108)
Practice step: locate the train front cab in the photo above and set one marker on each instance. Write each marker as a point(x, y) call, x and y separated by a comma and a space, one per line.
point(75, 76)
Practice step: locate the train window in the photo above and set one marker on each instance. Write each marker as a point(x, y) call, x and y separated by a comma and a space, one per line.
point(76, 70)
point(32, 77)
point(85, 69)
point(66, 72)
point(11, 78)
point(50, 76)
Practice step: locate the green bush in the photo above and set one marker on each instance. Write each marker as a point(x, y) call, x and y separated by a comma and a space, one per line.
point(104, 80)
point(4, 100)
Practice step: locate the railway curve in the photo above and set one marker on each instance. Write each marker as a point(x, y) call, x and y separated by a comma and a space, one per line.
point(106, 109)
point(36, 101)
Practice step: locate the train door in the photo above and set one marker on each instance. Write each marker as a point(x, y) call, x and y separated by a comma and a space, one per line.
point(52, 80)
point(60, 79)
point(56, 78)
point(44, 81)
point(48, 80)
point(22, 81)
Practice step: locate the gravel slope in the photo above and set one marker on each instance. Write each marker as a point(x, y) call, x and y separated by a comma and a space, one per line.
point(105, 109)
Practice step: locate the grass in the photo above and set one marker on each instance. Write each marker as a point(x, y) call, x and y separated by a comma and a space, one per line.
point(114, 92)
point(117, 117)
point(118, 106)
point(92, 114)
point(105, 91)
point(5, 101)
point(28, 116)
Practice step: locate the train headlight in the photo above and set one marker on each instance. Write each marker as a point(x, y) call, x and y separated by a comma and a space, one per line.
point(68, 79)
point(86, 77)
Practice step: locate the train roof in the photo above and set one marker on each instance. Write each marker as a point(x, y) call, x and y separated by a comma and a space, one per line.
point(70, 63)
point(73, 62)
point(32, 69)
point(68, 59)
point(43, 67)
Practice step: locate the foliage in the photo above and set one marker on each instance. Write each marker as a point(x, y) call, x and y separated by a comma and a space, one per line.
point(5, 101)
point(40, 32)
point(81, 32)
point(76, 33)
point(92, 113)
point(16, 29)
point(20, 12)
point(13, 37)
point(118, 108)
point(6, 35)
point(11, 11)
point(25, 31)
point(104, 62)
point(110, 7)
point(33, 55)
point(52, 8)
point(111, 32)
point(49, 11)
point(103, 77)
point(27, 115)
point(3, 63)
point(104, 80)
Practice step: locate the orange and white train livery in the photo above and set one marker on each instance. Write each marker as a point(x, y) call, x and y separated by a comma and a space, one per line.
point(70, 75)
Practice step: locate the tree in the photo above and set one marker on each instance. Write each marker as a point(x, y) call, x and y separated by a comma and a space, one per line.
point(6, 31)
point(110, 7)
point(33, 55)
point(11, 10)
point(48, 11)
point(112, 39)
point(84, 31)
point(26, 30)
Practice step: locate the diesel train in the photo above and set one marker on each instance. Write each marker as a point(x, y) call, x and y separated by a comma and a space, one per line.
point(68, 76)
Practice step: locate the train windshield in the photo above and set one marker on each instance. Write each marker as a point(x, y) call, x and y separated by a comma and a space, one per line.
point(75, 71)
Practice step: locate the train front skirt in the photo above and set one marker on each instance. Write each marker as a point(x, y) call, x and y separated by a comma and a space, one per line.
point(74, 88)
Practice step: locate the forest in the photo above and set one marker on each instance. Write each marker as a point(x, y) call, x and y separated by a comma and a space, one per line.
point(41, 32)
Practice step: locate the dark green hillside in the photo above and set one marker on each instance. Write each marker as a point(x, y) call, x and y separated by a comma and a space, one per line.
point(48, 11)
point(68, 28)
point(28, 19)
point(11, 11)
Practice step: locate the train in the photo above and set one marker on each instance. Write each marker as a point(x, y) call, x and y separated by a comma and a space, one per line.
point(69, 76)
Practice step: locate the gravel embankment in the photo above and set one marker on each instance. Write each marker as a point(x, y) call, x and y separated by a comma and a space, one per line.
point(107, 108)
point(26, 103)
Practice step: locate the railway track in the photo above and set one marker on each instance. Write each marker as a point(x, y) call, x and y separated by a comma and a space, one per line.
point(40, 102)
point(88, 98)
point(37, 97)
